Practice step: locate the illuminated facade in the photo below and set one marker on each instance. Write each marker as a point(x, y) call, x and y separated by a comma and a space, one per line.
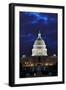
point(39, 47)
point(33, 67)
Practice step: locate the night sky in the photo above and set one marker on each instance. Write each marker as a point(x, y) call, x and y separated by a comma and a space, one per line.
point(30, 24)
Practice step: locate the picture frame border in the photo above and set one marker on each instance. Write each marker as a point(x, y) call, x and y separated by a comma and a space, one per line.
point(12, 44)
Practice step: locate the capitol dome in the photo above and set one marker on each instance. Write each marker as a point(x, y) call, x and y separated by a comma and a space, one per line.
point(39, 41)
point(39, 47)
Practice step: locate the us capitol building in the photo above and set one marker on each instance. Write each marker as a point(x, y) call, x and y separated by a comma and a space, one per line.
point(39, 63)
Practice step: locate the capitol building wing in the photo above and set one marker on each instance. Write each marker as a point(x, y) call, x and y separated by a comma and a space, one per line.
point(39, 47)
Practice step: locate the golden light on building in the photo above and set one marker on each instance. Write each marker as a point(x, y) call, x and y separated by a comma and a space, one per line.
point(46, 64)
point(51, 64)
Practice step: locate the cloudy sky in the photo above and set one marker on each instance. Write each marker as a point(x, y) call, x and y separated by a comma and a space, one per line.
point(30, 24)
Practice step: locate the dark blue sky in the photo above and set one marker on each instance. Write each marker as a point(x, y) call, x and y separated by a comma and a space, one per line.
point(30, 24)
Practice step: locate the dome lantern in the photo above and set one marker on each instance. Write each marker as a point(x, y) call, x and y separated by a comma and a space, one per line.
point(39, 35)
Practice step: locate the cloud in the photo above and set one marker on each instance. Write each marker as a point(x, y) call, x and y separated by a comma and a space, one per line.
point(35, 18)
